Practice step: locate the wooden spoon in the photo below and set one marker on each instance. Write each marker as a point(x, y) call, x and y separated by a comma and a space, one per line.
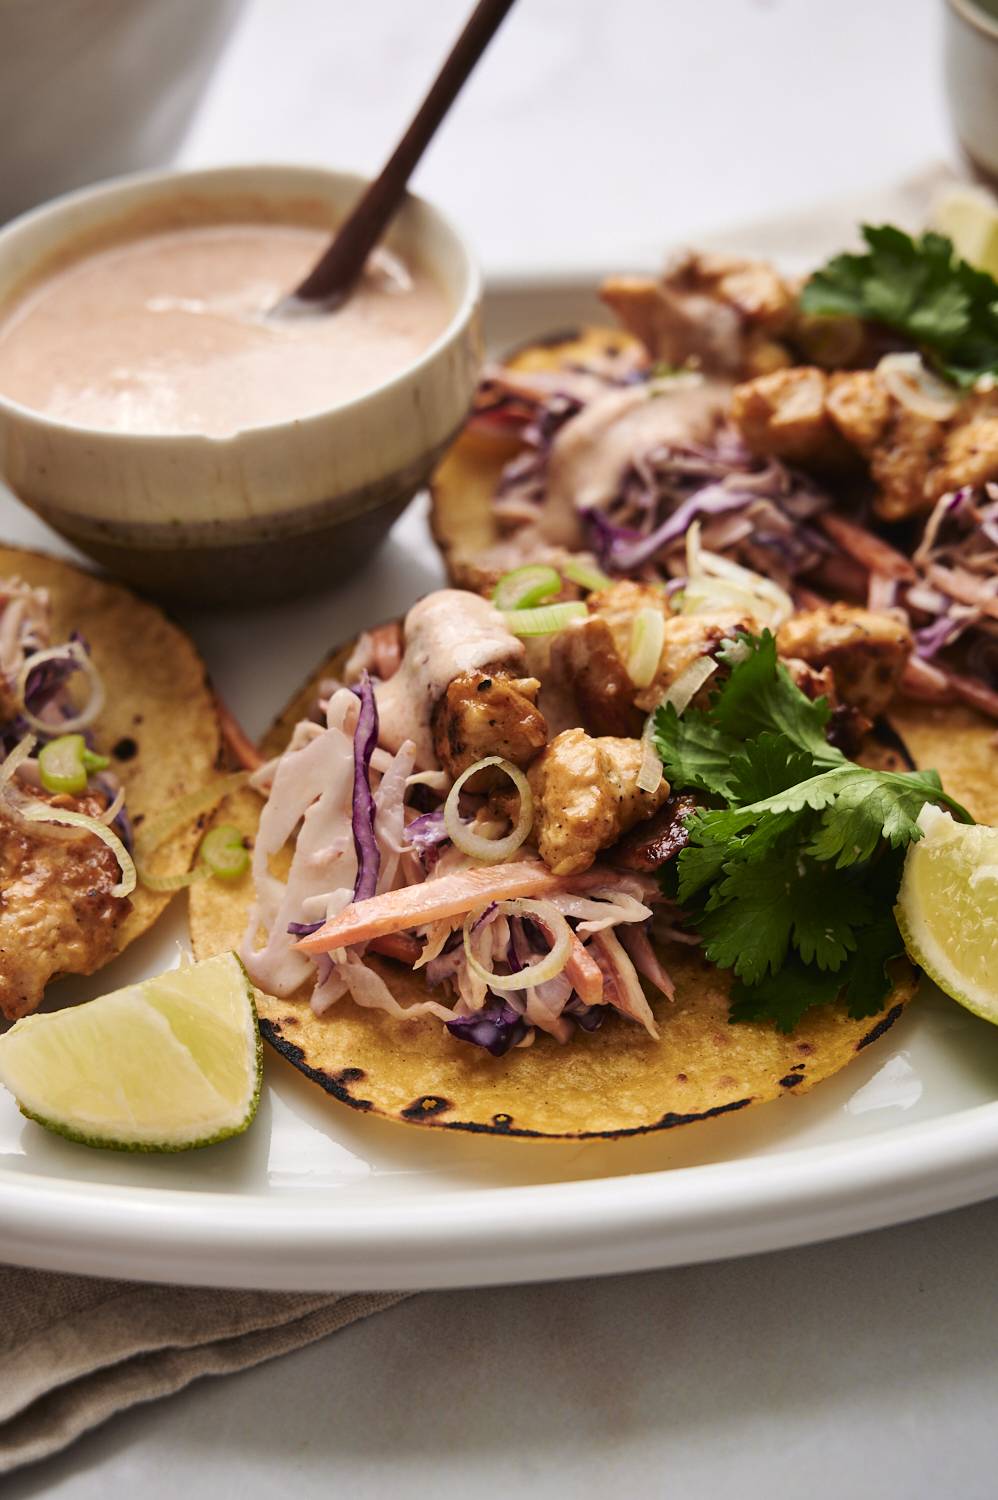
point(329, 282)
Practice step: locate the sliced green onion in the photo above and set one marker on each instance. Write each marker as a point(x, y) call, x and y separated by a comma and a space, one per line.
point(647, 640)
point(546, 620)
point(165, 884)
point(155, 831)
point(491, 851)
point(224, 852)
point(76, 653)
point(526, 586)
point(650, 770)
point(586, 575)
point(545, 968)
point(688, 683)
point(20, 753)
point(64, 764)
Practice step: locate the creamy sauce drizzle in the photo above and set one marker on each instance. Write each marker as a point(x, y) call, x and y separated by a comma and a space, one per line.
point(171, 334)
point(591, 453)
point(446, 633)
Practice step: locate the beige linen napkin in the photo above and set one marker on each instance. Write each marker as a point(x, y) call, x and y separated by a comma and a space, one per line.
point(75, 1351)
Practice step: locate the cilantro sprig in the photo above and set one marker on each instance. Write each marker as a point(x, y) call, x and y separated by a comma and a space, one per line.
point(921, 289)
point(791, 875)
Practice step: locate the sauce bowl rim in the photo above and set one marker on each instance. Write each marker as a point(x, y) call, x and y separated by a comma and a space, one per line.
point(469, 288)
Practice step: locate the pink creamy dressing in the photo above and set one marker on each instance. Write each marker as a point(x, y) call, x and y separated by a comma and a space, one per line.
point(169, 333)
point(591, 453)
point(446, 633)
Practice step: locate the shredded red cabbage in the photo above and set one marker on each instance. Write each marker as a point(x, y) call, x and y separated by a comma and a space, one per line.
point(304, 929)
point(497, 1027)
point(365, 739)
point(621, 548)
point(588, 1017)
point(426, 835)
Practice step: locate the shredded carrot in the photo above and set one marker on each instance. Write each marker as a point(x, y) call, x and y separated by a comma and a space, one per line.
point(867, 548)
point(235, 738)
point(585, 973)
point(397, 945)
point(450, 896)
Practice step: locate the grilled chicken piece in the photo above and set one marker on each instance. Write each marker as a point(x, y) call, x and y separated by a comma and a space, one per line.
point(57, 914)
point(445, 634)
point(813, 684)
point(488, 713)
point(723, 314)
point(970, 453)
point(653, 843)
point(687, 638)
point(866, 652)
point(586, 660)
point(619, 604)
point(859, 405)
point(786, 415)
point(585, 796)
point(809, 417)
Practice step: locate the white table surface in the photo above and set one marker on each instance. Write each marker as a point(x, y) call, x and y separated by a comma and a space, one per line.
point(596, 132)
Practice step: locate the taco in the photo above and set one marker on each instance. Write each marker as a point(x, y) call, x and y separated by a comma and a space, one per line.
point(464, 910)
point(824, 452)
point(106, 722)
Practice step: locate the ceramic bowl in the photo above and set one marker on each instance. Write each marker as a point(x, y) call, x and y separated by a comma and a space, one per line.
point(971, 65)
point(272, 510)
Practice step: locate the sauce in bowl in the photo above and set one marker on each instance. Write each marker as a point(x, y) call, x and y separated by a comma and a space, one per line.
point(170, 333)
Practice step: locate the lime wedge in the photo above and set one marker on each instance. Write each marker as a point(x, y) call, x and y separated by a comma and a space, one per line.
point(164, 1065)
point(969, 217)
point(948, 908)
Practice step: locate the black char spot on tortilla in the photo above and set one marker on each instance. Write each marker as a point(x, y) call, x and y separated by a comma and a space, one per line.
point(332, 1083)
point(883, 1025)
point(426, 1107)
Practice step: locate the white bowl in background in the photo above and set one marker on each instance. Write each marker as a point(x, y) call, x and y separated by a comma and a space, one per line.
point(93, 88)
point(971, 69)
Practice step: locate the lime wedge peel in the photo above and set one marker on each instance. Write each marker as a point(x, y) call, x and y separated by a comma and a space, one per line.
point(969, 217)
point(947, 908)
point(166, 1065)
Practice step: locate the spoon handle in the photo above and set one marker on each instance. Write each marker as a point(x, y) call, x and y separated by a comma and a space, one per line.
point(332, 276)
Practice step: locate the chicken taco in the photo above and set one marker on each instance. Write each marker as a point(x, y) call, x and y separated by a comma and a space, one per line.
point(838, 436)
point(595, 867)
point(107, 727)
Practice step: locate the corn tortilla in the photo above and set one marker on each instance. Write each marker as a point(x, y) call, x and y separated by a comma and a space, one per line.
point(158, 726)
point(615, 1082)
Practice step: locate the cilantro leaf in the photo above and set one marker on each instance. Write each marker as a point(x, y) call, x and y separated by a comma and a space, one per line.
point(866, 980)
point(919, 288)
point(765, 766)
point(760, 696)
point(754, 911)
point(792, 880)
point(698, 866)
point(783, 998)
point(695, 755)
point(747, 919)
point(870, 806)
point(861, 984)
